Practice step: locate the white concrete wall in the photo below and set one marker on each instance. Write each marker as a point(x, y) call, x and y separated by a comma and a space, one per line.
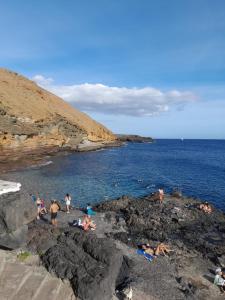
point(9, 186)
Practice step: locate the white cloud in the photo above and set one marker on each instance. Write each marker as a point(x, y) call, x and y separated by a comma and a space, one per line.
point(41, 80)
point(97, 97)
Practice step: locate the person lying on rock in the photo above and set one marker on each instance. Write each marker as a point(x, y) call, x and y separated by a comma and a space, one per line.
point(160, 249)
point(205, 207)
point(219, 280)
point(87, 223)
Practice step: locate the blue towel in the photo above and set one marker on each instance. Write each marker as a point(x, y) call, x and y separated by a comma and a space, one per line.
point(140, 252)
point(149, 257)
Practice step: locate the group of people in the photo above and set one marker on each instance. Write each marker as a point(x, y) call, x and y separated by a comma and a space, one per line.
point(205, 207)
point(54, 208)
point(155, 251)
point(86, 223)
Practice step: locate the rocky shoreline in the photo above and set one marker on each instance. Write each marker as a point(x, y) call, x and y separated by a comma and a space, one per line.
point(102, 264)
point(34, 124)
point(18, 159)
point(134, 138)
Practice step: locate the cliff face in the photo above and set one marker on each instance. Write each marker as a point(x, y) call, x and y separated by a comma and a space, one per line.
point(31, 118)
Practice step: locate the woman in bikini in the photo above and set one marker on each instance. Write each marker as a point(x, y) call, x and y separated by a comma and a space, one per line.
point(87, 223)
point(43, 208)
point(38, 203)
point(68, 201)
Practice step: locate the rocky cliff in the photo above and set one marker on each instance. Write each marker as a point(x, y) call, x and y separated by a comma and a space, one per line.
point(16, 211)
point(32, 118)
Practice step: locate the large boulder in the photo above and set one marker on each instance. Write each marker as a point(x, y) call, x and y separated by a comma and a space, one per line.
point(41, 236)
point(93, 265)
point(16, 211)
point(114, 205)
point(14, 239)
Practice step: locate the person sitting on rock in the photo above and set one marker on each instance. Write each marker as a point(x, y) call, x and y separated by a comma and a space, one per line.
point(202, 206)
point(87, 223)
point(206, 207)
point(89, 210)
point(84, 223)
point(219, 280)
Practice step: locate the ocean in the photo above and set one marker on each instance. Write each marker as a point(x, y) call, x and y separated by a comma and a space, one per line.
point(196, 167)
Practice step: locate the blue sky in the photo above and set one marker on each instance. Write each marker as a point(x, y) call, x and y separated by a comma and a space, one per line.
point(147, 67)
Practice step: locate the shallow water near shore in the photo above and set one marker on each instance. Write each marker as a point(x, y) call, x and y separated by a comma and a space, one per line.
point(196, 167)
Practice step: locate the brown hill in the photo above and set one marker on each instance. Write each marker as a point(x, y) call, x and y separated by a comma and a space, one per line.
point(31, 118)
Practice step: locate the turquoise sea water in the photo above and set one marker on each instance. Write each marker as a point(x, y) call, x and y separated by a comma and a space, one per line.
point(197, 167)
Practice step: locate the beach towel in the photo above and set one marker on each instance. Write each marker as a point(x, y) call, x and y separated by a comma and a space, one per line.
point(146, 255)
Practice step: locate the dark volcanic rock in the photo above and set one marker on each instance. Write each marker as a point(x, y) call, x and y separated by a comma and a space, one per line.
point(42, 236)
point(176, 221)
point(14, 239)
point(100, 262)
point(134, 138)
point(176, 193)
point(91, 264)
point(114, 205)
point(16, 210)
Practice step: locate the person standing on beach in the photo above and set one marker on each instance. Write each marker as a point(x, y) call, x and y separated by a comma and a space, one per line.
point(68, 202)
point(54, 208)
point(161, 195)
point(43, 208)
point(38, 203)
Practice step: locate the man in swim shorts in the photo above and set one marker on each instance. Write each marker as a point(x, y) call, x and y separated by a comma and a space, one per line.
point(54, 208)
